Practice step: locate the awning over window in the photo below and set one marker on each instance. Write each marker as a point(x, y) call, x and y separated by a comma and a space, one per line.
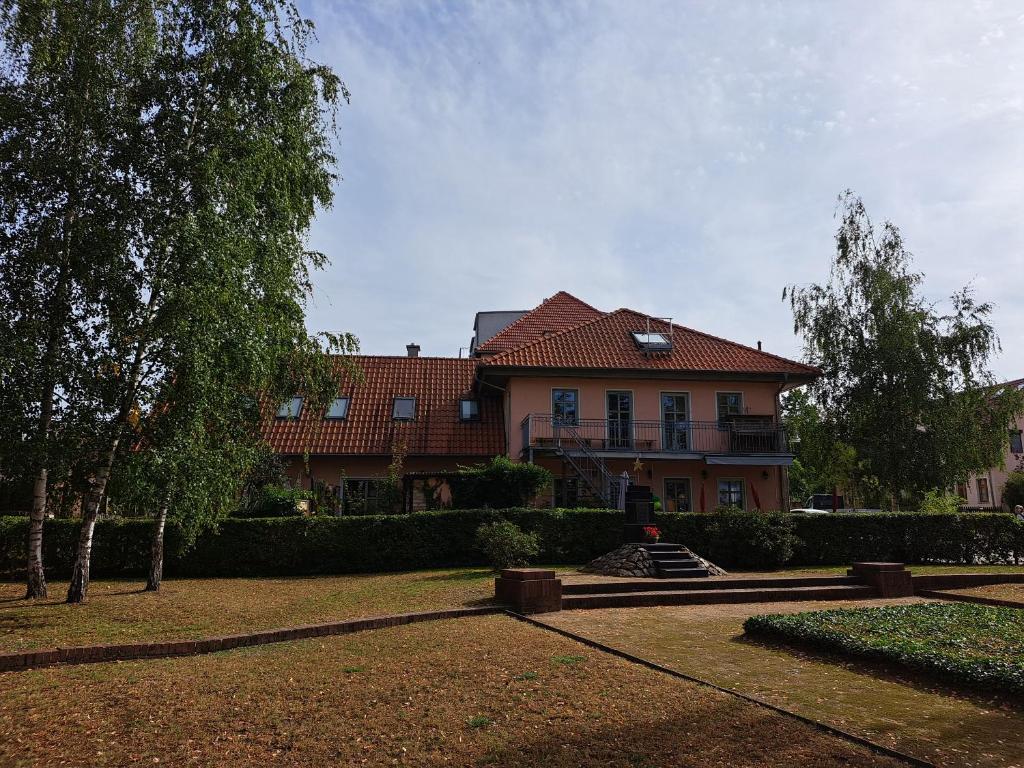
point(776, 460)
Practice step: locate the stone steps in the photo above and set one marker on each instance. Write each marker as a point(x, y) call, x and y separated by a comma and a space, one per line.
point(636, 599)
point(674, 561)
point(670, 585)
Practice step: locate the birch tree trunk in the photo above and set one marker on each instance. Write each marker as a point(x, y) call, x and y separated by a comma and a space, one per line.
point(79, 586)
point(156, 557)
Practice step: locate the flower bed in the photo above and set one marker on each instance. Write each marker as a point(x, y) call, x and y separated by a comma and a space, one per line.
point(978, 645)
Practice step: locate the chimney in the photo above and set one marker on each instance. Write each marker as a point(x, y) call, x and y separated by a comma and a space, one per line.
point(758, 345)
point(412, 350)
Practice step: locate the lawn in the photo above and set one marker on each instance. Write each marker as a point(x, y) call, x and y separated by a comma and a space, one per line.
point(948, 726)
point(1012, 592)
point(487, 691)
point(979, 645)
point(185, 609)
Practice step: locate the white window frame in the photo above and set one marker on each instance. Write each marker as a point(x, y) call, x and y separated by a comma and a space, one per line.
point(743, 402)
point(632, 418)
point(743, 491)
point(689, 419)
point(689, 481)
point(554, 416)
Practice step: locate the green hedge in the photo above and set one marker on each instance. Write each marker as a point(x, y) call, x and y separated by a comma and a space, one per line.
point(359, 544)
point(907, 537)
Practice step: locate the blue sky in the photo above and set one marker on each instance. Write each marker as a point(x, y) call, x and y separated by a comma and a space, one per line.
point(683, 159)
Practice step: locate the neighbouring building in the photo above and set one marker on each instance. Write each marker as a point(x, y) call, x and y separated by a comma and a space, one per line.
point(586, 393)
point(985, 490)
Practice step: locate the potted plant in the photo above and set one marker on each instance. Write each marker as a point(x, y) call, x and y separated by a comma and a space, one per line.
point(651, 534)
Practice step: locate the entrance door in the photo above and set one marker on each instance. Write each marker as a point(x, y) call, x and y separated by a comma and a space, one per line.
point(620, 419)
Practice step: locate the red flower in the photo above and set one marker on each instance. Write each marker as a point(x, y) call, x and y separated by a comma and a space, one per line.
point(651, 531)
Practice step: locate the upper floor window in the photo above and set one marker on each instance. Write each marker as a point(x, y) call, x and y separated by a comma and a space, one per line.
point(729, 404)
point(961, 490)
point(338, 409)
point(469, 409)
point(404, 409)
point(565, 406)
point(652, 342)
point(290, 409)
point(1016, 442)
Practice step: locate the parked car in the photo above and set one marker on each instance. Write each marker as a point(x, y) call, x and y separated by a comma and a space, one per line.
point(821, 504)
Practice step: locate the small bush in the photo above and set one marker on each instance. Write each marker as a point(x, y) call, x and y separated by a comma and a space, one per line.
point(506, 545)
point(749, 539)
point(937, 502)
point(276, 501)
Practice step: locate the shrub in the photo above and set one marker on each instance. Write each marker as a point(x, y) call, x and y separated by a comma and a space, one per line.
point(937, 502)
point(276, 501)
point(749, 539)
point(506, 545)
point(1013, 491)
point(501, 484)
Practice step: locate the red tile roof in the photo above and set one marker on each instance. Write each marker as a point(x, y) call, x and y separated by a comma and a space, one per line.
point(606, 343)
point(557, 313)
point(437, 383)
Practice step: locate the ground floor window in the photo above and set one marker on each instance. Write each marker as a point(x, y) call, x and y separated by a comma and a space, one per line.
point(360, 496)
point(983, 491)
point(677, 495)
point(1016, 441)
point(730, 493)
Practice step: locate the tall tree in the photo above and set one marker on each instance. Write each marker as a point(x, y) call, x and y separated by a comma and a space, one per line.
point(906, 385)
point(66, 217)
point(201, 153)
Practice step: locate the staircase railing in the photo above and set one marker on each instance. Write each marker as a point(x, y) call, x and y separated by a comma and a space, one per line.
point(587, 464)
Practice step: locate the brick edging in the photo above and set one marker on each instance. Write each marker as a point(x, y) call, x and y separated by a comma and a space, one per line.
point(953, 596)
point(85, 654)
point(822, 726)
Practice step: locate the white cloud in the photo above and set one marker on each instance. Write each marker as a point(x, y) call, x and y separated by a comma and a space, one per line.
point(682, 159)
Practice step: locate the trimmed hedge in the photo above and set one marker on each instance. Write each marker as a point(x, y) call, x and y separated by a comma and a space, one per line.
point(361, 544)
point(907, 537)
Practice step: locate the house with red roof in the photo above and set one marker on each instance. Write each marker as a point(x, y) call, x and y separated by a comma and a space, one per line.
point(594, 396)
point(985, 489)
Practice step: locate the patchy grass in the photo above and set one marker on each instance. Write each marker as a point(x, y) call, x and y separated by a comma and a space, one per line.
point(185, 609)
point(1012, 592)
point(945, 725)
point(978, 645)
point(422, 701)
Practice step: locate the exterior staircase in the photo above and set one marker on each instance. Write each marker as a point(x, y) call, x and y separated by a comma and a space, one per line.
point(674, 561)
point(591, 472)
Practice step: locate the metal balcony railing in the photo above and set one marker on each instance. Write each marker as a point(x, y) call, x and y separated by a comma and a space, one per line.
point(744, 434)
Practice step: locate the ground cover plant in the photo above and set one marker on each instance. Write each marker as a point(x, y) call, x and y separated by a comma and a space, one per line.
point(979, 645)
point(444, 693)
point(949, 726)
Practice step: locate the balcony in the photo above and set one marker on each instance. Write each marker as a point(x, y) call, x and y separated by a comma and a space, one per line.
point(757, 437)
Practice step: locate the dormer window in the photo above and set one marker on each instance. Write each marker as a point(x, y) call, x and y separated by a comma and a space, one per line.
point(652, 341)
point(290, 409)
point(469, 410)
point(404, 409)
point(338, 410)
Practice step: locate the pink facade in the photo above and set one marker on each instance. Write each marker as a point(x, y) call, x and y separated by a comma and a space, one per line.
point(590, 395)
point(985, 491)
